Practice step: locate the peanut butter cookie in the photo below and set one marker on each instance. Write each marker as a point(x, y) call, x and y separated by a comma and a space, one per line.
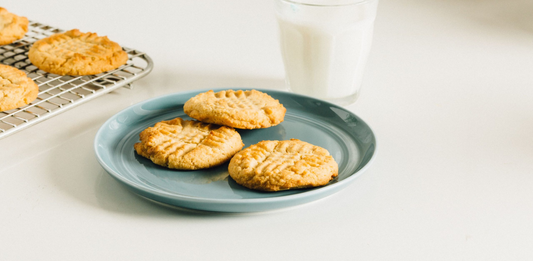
point(76, 53)
point(281, 165)
point(16, 88)
point(12, 27)
point(238, 109)
point(188, 145)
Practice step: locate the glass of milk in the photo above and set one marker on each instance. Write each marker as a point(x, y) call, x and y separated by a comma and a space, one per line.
point(325, 45)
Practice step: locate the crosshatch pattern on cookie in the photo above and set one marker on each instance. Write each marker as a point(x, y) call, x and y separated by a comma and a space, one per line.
point(72, 45)
point(249, 109)
point(184, 144)
point(239, 99)
point(282, 165)
point(76, 53)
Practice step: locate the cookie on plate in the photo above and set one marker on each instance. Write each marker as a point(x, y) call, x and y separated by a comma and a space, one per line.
point(16, 88)
point(12, 27)
point(188, 145)
point(250, 109)
point(76, 53)
point(281, 165)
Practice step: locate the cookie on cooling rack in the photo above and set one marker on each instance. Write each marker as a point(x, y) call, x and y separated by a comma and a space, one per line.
point(12, 27)
point(281, 165)
point(250, 109)
point(76, 53)
point(188, 145)
point(16, 89)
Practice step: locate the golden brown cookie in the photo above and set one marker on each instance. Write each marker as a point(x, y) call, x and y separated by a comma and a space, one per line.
point(188, 145)
point(238, 109)
point(76, 53)
point(12, 27)
point(280, 165)
point(16, 89)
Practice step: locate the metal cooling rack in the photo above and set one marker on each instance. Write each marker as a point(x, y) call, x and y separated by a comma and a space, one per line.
point(60, 93)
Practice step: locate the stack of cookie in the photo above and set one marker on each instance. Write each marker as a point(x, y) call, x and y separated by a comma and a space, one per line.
point(69, 53)
point(212, 140)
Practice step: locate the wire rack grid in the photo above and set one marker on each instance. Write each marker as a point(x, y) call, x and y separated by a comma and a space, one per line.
point(60, 93)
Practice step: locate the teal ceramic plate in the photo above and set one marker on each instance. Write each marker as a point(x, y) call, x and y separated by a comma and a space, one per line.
point(348, 138)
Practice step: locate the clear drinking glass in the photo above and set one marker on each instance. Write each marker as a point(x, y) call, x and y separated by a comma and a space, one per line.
point(325, 45)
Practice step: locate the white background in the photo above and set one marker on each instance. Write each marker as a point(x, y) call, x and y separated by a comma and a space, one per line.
point(448, 92)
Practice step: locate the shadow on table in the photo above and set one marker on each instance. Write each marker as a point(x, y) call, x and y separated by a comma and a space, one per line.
point(113, 196)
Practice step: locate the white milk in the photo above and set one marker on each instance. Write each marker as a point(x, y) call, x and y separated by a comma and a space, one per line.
point(325, 48)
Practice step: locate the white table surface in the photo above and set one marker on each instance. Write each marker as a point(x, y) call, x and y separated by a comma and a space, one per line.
point(448, 92)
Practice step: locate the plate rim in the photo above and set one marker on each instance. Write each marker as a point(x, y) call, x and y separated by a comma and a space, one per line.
point(164, 194)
